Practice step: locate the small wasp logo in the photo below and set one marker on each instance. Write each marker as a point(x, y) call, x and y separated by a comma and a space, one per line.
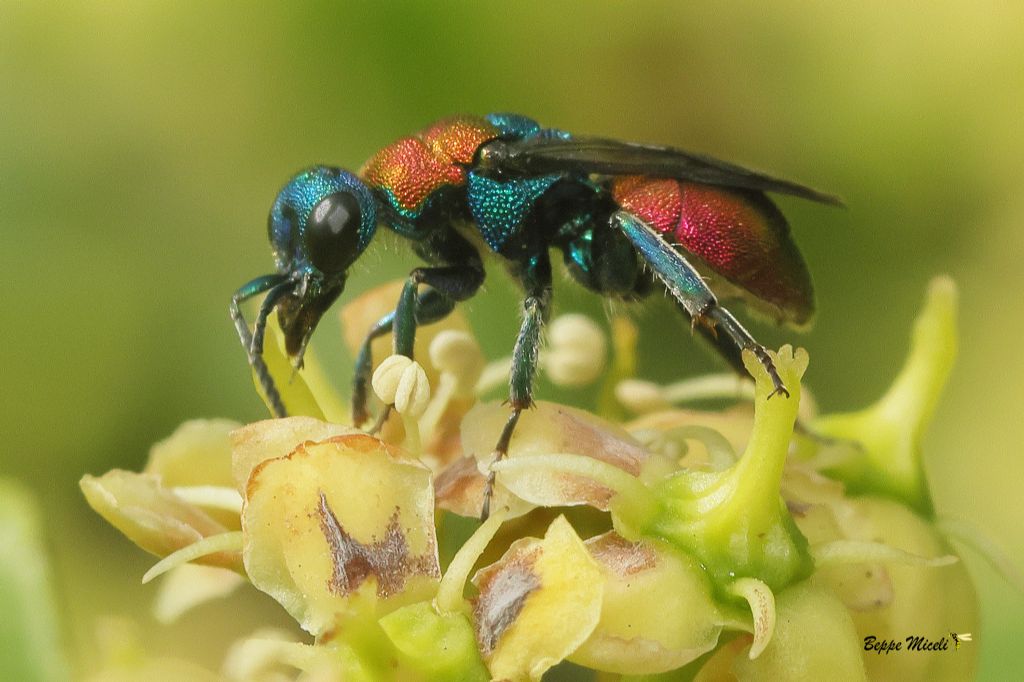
point(958, 638)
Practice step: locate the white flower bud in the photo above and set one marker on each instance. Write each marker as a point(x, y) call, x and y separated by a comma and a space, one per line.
point(579, 333)
point(386, 378)
point(457, 353)
point(413, 393)
point(640, 397)
point(576, 351)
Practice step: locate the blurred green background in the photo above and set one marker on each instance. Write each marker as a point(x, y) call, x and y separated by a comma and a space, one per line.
point(141, 145)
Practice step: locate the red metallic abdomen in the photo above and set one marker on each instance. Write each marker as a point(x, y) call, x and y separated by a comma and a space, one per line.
point(738, 234)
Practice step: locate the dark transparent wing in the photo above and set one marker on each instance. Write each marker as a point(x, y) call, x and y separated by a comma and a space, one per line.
point(594, 155)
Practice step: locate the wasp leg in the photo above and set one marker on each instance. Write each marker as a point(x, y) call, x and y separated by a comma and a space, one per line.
point(249, 290)
point(448, 285)
point(683, 281)
point(453, 282)
point(537, 278)
point(270, 301)
point(431, 306)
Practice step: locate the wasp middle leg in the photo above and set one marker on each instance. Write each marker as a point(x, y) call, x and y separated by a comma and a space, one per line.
point(430, 306)
point(536, 277)
point(456, 275)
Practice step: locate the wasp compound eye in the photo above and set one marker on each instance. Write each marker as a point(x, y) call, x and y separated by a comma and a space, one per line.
point(331, 236)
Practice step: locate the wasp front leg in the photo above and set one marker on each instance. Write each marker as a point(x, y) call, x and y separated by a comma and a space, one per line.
point(448, 285)
point(431, 306)
point(682, 280)
point(275, 286)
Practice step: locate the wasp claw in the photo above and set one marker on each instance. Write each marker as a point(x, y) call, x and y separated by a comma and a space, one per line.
point(359, 418)
point(381, 419)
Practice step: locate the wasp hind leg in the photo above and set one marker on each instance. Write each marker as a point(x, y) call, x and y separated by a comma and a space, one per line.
point(715, 323)
point(730, 339)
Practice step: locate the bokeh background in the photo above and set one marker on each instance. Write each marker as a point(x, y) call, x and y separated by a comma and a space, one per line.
point(141, 145)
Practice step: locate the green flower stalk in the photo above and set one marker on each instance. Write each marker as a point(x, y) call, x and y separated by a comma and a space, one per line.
point(642, 550)
point(889, 433)
point(734, 521)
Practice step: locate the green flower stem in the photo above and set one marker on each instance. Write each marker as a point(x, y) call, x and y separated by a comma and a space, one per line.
point(735, 521)
point(890, 431)
point(449, 597)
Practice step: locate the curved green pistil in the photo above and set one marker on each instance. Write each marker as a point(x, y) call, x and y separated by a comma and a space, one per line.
point(734, 521)
point(889, 432)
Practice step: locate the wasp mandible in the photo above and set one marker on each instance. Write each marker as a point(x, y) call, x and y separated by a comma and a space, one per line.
point(626, 218)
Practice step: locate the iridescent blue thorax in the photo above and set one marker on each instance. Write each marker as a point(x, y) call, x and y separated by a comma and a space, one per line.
point(296, 200)
point(499, 205)
point(519, 127)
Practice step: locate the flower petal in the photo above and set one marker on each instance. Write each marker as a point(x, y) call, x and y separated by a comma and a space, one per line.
point(197, 453)
point(658, 612)
point(460, 489)
point(189, 586)
point(337, 519)
point(547, 429)
point(151, 516)
point(537, 604)
point(270, 438)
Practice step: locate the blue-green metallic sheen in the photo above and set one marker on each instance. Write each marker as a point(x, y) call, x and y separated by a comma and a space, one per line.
point(513, 125)
point(297, 199)
point(498, 208)
point(522, 127)
point(680, 278)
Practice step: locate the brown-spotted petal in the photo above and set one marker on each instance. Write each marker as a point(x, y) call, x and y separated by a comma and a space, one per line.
point(460, 489)
point(547, 429)
point(658, 611)
point(338, 527)
point(537, 604)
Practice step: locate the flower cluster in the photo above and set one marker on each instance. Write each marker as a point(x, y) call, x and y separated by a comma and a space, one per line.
point(763, 541)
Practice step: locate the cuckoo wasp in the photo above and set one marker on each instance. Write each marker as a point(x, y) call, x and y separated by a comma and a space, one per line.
point(626, 218)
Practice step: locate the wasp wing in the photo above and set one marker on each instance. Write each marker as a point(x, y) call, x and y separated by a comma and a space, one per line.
point(541, 155)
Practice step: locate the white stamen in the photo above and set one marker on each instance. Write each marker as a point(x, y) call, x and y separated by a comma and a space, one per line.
point(387, 377)
point(412, 395)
